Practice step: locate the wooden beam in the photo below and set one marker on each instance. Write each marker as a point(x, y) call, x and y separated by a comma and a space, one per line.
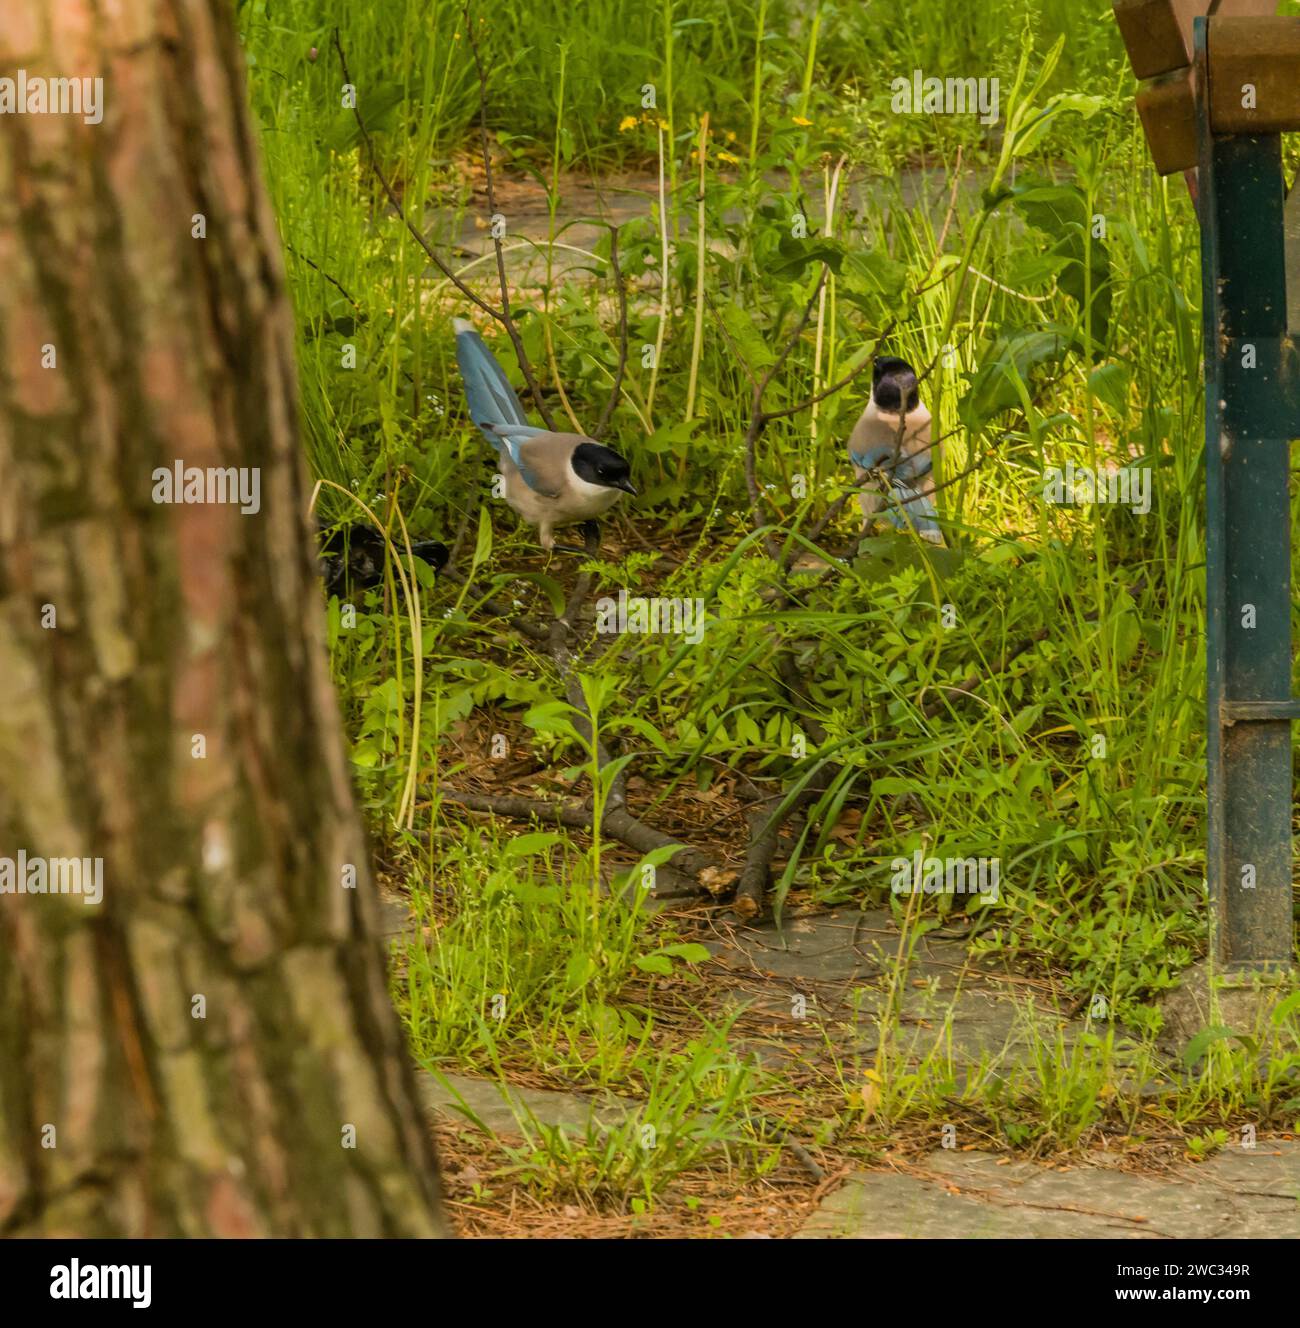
point(1167, 108)
point(1153, 34)
point(1158, 37)
point(1158, 33)
point(1254, 69)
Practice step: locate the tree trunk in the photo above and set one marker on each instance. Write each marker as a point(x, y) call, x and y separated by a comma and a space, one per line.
point(210, 1050)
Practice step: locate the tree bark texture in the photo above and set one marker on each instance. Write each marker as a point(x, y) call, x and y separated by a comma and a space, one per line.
point(192, 1055)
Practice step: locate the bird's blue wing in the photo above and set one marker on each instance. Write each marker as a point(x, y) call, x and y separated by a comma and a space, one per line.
point(914, 467)
point(873, 456)
point(492, 401)
point(514, 436)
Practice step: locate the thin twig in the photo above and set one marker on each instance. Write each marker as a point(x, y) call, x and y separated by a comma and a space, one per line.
point(616, 390)
point(507, 319)
point(432, 254)
point(333, 281)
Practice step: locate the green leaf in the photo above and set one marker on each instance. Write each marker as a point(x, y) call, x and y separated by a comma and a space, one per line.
point(1063, 103)
point(1011, 361)
point(689, 951)
point(550, 587)
point(674, 438)
point(874, 274)
point(1125, 634)
point(1207, 1037)
point(635, 724)
point(740, 328)
point(1061, 211)
point(1026, 719)
point(483, 545)
point(798, 254)
point(1053, 209)
point(1035, 270)
point(580, 969)
point(654, 963)
point(1109, 383)
point(377, 107)
point(552, 717)
point(365, 755)
point(527, 846)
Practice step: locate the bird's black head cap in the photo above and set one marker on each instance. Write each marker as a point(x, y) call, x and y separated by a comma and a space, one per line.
point(893, 384)
point(601, 465)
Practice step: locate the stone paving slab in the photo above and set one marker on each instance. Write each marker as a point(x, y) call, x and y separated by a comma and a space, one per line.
point(585, 205)
point(841, 963)
point(1239, 1192)
point(1248, 1193)
point(500, 1107)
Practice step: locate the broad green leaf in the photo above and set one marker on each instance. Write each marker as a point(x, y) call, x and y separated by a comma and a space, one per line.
point(483, 544)
point(1109, 383)
point(1011, 360)
point(690, 951)
point(1207, 1037)
point(654, 963)
point(1029, 137)
point(526, 846)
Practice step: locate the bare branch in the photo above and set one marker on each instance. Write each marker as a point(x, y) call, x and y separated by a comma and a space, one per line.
point(507, 319)
point(608, 413)
point(432, 254)
point(399, 207)
point(618, 823)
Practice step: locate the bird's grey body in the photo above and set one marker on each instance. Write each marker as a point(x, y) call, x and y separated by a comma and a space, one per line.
point(549, 478)
point(906, 435)
point(558, 496)
point(893, 435)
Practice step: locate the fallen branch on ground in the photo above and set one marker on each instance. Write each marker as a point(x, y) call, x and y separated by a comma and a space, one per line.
point(618, 823)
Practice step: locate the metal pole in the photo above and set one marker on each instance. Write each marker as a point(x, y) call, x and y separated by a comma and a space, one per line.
point(1250, 417)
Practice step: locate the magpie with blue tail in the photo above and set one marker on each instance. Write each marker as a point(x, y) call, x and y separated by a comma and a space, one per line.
point(550, 479)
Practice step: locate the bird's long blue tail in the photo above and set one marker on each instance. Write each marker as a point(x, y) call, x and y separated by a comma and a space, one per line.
point(914, 509)
point(917, 508)
point(492, 401)
point(909, 508)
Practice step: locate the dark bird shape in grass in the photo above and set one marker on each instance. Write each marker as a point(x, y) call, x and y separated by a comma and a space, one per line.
point(353, 556)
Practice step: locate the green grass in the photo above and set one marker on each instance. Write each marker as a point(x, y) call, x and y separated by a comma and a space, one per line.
point(1100, 842)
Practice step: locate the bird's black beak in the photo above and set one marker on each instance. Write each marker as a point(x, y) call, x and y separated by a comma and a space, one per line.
point(626, 486)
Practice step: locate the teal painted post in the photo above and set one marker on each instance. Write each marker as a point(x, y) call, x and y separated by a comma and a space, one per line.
point(1250, 416)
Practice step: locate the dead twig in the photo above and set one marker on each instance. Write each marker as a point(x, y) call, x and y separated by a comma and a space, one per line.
point(618, 823)
point(506, 318)
point(498, 315)
point(607, 413)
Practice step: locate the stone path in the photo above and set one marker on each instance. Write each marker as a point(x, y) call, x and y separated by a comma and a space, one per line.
point(586, 204)
point(976, 1014)
point(950, 1007)
point(1238, 1192)
point(500, 1108)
